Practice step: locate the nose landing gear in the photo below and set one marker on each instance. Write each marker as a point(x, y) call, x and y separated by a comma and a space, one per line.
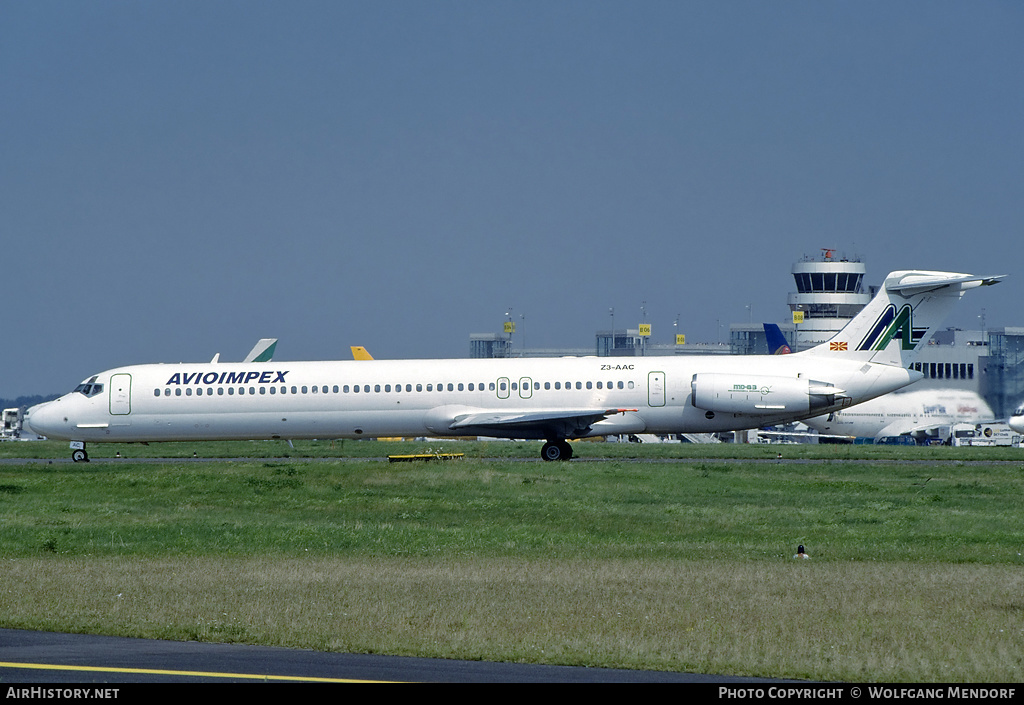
point(78, 453)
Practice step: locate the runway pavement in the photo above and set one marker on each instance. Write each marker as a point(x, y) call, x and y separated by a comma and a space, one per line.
point(47, 657)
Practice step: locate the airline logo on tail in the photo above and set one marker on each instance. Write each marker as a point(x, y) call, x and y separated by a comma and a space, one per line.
point(892, 324)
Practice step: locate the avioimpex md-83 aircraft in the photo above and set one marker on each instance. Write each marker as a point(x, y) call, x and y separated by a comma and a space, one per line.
point(525, 398)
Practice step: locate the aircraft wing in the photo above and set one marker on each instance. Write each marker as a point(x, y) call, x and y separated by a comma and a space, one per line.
point(910, 428)
point(562, 423)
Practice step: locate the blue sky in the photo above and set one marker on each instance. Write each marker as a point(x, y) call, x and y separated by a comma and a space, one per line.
point(182, 178)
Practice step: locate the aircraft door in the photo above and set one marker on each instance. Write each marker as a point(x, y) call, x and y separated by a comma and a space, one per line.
point(120, 394)
point(656, 389)
point(525, 387)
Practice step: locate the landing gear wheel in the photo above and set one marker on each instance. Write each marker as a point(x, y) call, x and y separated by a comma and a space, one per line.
point(556, 450)
point(80, 456)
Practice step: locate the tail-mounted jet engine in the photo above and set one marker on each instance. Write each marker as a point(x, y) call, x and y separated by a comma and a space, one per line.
point(736, 393)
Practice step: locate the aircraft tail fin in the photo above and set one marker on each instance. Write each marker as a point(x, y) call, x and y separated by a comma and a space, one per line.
point(777, 344)
point(360, 353)
point(263, 351)
point(897, 323)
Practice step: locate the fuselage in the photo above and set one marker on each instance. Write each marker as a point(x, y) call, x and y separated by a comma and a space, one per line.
point(373, 398)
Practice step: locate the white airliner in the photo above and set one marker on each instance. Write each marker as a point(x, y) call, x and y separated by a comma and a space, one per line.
point(920, 413)
point(528, 398)
point(1016, 421)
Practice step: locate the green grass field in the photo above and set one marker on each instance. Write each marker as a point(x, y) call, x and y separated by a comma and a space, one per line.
point(684, 563)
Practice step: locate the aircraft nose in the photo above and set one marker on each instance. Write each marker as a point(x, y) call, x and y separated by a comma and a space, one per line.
point(41, 419)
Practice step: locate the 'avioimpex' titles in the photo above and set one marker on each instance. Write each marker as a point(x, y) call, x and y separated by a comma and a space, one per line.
point(266, 377)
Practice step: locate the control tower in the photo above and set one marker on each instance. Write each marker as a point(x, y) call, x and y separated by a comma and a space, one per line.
point(829, 292)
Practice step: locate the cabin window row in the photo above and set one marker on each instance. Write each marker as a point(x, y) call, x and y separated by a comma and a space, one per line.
point(387, 388)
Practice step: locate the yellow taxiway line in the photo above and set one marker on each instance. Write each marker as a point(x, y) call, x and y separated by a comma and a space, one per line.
point(200, 674)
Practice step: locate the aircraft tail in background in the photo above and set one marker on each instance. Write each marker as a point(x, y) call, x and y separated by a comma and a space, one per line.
point(263, 351)
point(777, 344)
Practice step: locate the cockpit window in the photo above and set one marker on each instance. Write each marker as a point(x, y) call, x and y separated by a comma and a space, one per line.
point(90, 388)
point(1019, 411)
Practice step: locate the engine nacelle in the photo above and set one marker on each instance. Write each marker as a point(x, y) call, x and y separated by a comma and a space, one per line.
point(738, 393)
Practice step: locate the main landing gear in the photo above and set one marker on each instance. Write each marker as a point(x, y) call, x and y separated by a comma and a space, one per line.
point(556, 450)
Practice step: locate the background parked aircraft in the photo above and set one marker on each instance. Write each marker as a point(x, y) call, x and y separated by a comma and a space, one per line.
point(1017, 420)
